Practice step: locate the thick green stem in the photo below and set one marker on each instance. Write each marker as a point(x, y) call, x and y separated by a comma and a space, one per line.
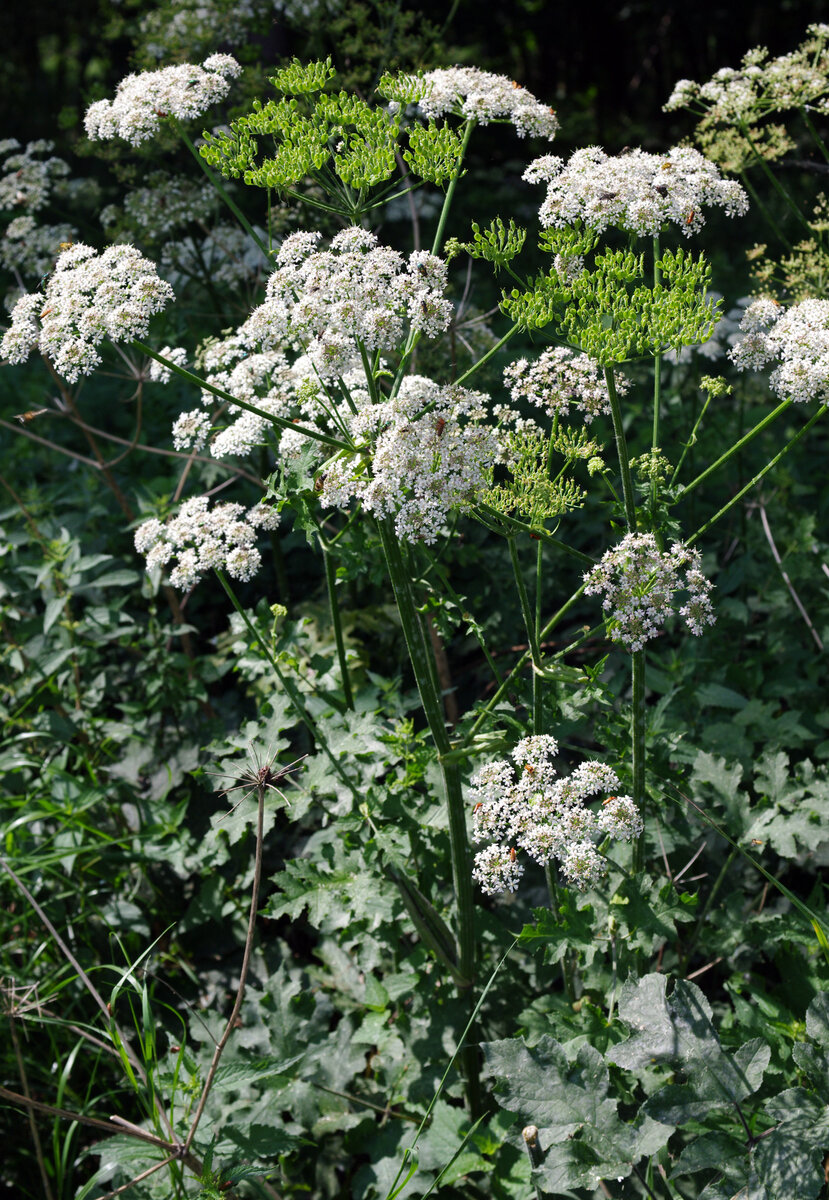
point(657, 380)
point(753, 482)
point(735, 449)
point(538, 682)
point(315, 434)
point(819, 142)
point(770, 221)
point(497, 520)
point(637, 715)
point(336, 621)
point(414, 334)
point(485, 358)
point(774, 181)
point(450, 191)
point(419, 655)
point(637, 728)
point(231, 204)
point(621, 450)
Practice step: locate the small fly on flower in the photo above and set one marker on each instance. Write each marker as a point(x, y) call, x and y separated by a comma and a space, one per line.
point(258, 776)
point(440, 425)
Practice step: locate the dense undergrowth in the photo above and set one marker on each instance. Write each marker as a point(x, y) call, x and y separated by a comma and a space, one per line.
point(242, 953)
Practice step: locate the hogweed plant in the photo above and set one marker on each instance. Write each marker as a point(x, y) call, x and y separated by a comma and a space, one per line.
point(324, 394)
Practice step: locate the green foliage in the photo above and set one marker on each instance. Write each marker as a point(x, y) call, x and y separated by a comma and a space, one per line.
point(357, 687)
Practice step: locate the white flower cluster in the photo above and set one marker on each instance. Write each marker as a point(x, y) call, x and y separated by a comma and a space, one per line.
point(470, 92)
point(356, 293)
point(639, 583)
point(545, 816)
point(561, 378)
point(199, 540)
point(88, 297)
point(797, 339)
point(27, 179)
point(142, 101)
point(424, 462)
point(638, 192)
point(31, 248)
point(762, 85)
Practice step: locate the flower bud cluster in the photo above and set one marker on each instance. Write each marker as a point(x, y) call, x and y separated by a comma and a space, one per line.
point(470, 92)
point(357, 292)
point(637, 191)
point(797, 339)
point(142, 101)
point(560, 378)
point(88, 297)
point(545, 816)
point(639, 583)
point(423, 460)
point(199, 540)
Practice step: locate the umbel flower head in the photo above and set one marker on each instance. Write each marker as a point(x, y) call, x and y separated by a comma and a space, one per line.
point(198, 540)
point(470, 92)
point(423, 460)
point(88, 297)
point(639, 583)
point(761, 84)
point(523, 805)
point(27, 177)
point(142, 101)
point(559, 378)
point(797, 339)
point(638, 192)
point(357, 291)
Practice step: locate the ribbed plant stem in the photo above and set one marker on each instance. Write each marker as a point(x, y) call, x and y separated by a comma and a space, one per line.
point(419, 652)
point(538, 683)
point(637, 715)
point(336, 621)
point(657, 377)
point(621, 450)
point(637, 732)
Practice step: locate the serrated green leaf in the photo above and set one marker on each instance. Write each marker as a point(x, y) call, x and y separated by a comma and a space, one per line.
point(557, 932)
